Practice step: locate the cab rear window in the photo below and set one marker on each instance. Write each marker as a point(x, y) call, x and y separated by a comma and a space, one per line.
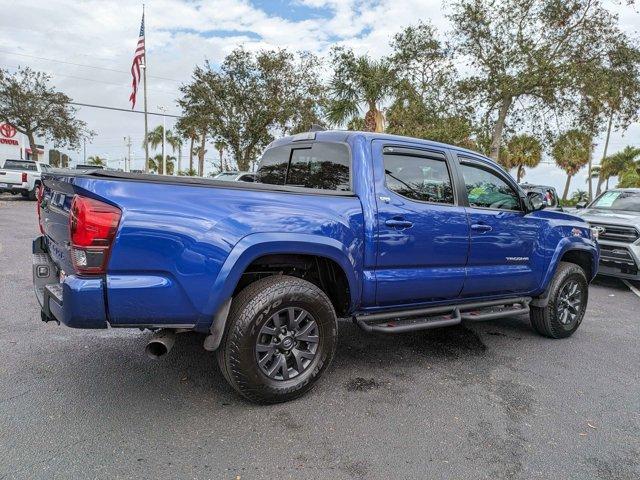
point(321, 165)
point(18, 165)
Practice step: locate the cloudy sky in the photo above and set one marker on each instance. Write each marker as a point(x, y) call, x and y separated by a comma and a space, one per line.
point(87, 47)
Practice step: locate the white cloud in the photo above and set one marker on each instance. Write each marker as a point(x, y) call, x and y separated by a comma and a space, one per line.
point(181, 34)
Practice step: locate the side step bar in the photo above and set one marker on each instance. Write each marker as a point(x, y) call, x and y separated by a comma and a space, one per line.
point(434, 317)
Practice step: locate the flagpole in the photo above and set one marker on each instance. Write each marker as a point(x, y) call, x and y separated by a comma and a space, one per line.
point(144, 82)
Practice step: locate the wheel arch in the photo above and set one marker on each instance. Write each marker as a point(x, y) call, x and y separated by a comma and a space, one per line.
point(572, 250)
point(254, 247)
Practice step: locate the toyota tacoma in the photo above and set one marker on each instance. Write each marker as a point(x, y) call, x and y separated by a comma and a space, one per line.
point(397, 234)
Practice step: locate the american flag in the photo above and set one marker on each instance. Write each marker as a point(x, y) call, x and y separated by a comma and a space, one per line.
point(138, 59)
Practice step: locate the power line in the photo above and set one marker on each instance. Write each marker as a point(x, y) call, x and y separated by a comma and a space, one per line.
point(157, 89)
point(84, 65)
point(104, 107)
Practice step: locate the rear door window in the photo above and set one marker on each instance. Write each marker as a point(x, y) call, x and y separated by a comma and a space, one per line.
point(419, 178)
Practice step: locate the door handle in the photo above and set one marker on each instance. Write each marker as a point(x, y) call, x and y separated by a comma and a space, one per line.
point(481, 227)
point(398, 223)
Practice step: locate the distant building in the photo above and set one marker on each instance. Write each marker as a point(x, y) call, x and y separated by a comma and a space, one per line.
point(14, 144)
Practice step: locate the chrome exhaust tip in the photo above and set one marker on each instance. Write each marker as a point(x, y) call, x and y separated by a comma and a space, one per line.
point(160, 343)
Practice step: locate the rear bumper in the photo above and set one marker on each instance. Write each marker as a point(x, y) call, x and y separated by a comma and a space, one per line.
point(77, 302)
point(15, 187)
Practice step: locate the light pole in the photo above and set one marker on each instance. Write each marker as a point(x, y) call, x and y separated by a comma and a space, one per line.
point(127, 143)
point(163, 109)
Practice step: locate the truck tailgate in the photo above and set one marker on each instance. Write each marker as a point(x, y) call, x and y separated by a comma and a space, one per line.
point(54, 219)
point(77, 301)
point(10, 178)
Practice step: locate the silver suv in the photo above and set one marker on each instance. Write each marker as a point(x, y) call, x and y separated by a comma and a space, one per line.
point(616, 216)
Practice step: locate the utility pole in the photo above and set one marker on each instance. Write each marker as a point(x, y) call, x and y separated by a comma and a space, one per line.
point(127, 143)
point(163, 109)
point(84, 143)
point(144, 82)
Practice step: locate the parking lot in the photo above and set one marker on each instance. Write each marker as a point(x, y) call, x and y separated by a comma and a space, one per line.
point(488, 400)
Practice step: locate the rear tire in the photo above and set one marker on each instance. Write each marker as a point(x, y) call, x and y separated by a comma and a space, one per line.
point(568, 295)
point(281, 336)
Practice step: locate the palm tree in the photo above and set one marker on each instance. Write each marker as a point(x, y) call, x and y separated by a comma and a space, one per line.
point(154, 138)
point(155, 164)
point(175, 142)
point(571, 152)
point(522, 151)
point(579, 196)
point(97, 161)
point(357, 81)
point(200, 152)
point(617, 164)
point(220, 146)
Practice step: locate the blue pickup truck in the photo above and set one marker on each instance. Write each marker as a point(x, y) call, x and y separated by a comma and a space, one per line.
point(397, 234)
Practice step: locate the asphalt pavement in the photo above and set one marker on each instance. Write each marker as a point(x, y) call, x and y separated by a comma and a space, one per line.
point(490, 400)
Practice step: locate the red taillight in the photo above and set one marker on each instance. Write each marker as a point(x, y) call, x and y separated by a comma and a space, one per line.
point(92, 228)
point(40, 195)
point(24, 177)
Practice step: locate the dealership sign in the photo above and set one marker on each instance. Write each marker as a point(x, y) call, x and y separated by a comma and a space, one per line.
point(7, 132)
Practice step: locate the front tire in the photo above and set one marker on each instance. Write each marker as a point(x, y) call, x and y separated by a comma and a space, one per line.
point(568, 295)
point(281, 337)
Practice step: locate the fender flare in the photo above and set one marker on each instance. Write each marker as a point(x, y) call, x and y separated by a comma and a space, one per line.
point(256, 245)
point(565, 245)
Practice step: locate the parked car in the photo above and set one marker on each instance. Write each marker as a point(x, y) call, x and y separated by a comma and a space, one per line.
point(398, 234)
point(21, 176)
point(616, 215)
point(236, 176)
point(548, 194)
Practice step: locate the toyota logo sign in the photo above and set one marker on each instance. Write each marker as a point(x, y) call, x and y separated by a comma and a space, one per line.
point(7, 130)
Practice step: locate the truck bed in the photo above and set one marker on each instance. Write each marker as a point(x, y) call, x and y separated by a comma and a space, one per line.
point(182, 240)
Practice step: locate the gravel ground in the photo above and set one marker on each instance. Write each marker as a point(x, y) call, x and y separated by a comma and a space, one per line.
point(489, 400)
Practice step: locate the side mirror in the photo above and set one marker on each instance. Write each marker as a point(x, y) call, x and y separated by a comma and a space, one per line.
point(536, 201)
point(582, 204)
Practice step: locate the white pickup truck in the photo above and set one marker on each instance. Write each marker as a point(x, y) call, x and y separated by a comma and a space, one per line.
point(21, 176)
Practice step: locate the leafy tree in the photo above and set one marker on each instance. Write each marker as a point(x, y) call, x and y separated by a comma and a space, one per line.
point(358, 81)
point(608, 87)
point(251, 98)
point(188, 173)
point(616, 81)
point(34, 108)
point(426, 98)
point(571, 152)
point(55, 158)
point(97, 160)
point(522, 151)
point(523, 53)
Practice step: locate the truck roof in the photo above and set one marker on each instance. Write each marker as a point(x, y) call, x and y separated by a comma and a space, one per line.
point(343, 135)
